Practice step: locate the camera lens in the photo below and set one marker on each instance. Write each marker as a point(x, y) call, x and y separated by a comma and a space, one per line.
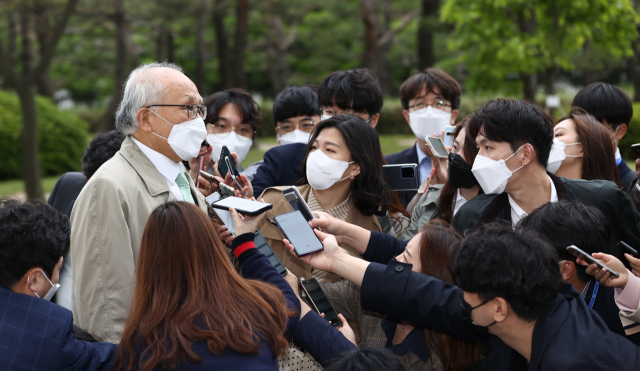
point(407, 172)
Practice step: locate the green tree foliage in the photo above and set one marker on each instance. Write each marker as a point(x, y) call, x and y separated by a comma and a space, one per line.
point(497, 37)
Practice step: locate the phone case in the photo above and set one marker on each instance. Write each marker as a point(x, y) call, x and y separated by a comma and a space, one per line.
point(222, 164)
point(335, 323)
point(433, 150)
point(241, 211)
point(395, 181)
point(303, 207)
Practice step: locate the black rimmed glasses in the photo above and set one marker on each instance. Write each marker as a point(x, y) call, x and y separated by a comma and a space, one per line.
point(441, 105)
point(193, 110)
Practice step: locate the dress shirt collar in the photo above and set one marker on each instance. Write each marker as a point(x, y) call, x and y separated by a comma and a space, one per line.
point(162, 163)
point(458, 202)
point(421, 155)
point(518, 213)
point(618, 156)
point(414, 342)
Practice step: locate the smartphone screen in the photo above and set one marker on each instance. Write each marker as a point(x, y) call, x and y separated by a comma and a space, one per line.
point(242, 205)
point(297, 230)
point(319, 299)
point(437, 147)
point(294, 199)
point(263, 246)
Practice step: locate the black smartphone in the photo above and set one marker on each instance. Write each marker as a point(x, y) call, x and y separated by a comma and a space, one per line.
point(402, 177)
point(320, 301)
point(294, 198)
point(629, 249)
point(263, 246)
point(243, 206)
point(636, 149)
point(225, 161)
point(296, 229)
point(577, 252)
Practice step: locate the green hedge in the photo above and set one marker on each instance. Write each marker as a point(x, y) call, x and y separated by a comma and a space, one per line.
point(63, 137)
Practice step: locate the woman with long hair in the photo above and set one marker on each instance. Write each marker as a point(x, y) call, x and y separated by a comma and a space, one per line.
point(583, 149)
point(341, 175)
point(442, 201)
point(191, 310)
point(428, 252)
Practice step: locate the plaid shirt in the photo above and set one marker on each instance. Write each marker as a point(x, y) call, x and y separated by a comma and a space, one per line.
point(345, 298)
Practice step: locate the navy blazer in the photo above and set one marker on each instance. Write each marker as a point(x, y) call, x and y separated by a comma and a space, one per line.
point(65, 192)
point(627, 176)
point(281, 167)
point(316, 335)
point(254, 266)
point(408, 156)
point(563, 337)
point(36, 334)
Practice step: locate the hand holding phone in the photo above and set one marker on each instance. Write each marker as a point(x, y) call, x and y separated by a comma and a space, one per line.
point(319, 301)
point(297, 231)
point(297, 203)
point(246, 224)
point(578, 253)
point(602, 275)
point(242, 205)
point(437, 147)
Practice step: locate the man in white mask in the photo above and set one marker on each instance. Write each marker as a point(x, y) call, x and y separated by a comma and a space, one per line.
point(430, 102)
point(514, 140)
point(295, 113)
point(36, 334)
point(161, 113)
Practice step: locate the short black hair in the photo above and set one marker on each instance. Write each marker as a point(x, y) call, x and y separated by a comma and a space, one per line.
point(566, 223)
point(430, 79)
point(605, 102)
point(517, 265)
point(365, 359)
point(369, 189)
point(31, 235)
point(101, 148)
point(295, 101)
point(248, 108)
point(516, 122)
point(358, 89)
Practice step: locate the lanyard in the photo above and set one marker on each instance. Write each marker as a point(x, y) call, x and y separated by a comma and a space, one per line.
point(593, 296)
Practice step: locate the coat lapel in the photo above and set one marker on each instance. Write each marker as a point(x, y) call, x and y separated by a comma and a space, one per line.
point(153, 180)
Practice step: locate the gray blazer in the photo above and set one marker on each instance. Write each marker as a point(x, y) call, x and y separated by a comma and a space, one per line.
point(107, 222)
point(427, 208)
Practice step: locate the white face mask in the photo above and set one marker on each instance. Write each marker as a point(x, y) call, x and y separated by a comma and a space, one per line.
point(186, 138)
point(233, 142)
point(427, 121)
point(324, 117)
point(296, 136)
point(52, 291)
point(557, 155)
point(323, 171)
point(492, 175)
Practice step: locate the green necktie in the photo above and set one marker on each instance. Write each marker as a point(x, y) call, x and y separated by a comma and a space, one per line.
point(183, 184)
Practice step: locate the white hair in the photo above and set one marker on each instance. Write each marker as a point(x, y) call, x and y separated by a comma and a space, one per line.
point(141, 89)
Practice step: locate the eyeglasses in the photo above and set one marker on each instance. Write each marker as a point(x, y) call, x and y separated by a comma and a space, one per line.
point(328, 111)
point(305, 126)
point(193, 110)
point(222, 129)
point(441, 105)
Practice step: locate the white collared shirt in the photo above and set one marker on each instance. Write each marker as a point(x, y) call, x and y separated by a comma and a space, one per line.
point(424, 164)
point(165, 166)
point(458, 202)
point(518, 213)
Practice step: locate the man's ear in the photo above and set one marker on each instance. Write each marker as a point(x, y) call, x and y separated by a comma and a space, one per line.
point(622, 130)
point(405, 113)
point(568, 269)
point(374, 120)
point(454, 116)
point(529, 154)
point(502, 309)
point(143, 120)
point(34, 275)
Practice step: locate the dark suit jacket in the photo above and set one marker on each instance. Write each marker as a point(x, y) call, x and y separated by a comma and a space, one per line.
point(281, 167)
point(616, 205)
point(66, 191)
point(36, 334)
point(627, 176)
point(408, 156)
point(320, 339)
point(562, 337)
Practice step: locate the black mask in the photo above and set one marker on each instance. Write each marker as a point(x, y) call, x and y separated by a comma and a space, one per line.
point(482, 331)
point(460, 175)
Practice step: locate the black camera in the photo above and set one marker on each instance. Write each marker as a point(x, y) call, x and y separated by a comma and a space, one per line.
point(408, 172)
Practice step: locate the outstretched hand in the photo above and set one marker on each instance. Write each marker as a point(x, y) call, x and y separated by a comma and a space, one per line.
point(324, 259)
point(602, 275)
point(246, 224)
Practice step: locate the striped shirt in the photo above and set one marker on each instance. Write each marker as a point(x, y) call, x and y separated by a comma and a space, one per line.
point(339, 212)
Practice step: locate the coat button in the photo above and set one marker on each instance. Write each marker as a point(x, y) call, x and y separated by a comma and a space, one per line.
point(399, 268)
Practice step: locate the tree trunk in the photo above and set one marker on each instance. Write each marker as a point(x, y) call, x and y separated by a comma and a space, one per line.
point(222, 45)
point(12, 34)
point(43, 80)
point(383, 66)
point(550, 89)
point(632, 69)
point(107, 121)
point(170, 46)
point(370, 19)
point(529, 86)
point(429, 22)
point(30, 144)
point(276, 62)
point(160, 44)
point(199, 78)
point(240, 44)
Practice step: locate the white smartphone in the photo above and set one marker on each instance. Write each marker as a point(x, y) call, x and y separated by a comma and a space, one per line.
point(437, 147)
point(448, 135)
point(577, 252)
point(242, 205)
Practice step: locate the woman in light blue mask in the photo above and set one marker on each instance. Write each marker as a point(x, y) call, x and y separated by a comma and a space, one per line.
point(582, 149)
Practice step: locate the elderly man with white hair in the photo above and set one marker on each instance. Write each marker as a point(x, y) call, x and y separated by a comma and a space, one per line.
point(162, 115)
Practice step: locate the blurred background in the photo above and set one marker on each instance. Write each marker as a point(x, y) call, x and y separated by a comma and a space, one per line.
point(63, 62)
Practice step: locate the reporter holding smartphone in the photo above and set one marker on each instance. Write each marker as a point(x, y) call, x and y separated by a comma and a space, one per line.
point(342, 175)
point(192, 310)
